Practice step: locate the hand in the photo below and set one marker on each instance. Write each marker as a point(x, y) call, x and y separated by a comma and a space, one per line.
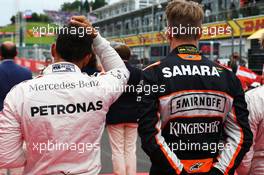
point(82, 21)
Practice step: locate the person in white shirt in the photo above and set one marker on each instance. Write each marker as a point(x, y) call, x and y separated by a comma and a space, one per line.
point(61, 114)
point(253, 162)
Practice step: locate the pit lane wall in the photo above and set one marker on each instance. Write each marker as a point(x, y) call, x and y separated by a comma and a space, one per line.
point(218, 30)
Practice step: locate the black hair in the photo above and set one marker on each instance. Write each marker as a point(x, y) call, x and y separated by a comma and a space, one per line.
point(73, 43)
point(8, 52)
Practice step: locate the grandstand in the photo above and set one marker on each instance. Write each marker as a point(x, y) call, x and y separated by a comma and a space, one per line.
point(143, 29)
point(62, 18)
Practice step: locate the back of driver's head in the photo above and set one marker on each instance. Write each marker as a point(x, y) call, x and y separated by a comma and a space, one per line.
point(73, 43)
point(186, 16)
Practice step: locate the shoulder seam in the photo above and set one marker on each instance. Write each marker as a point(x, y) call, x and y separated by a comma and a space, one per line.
point(152, 65)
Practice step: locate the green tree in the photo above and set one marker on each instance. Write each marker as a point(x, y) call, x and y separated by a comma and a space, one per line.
point(86, 6)
point(34, 17)
point(66, 6)
point(77, 5)
point(98, 3)
point(70, 7)
point(13, 19)
point(38, 18)
point(43, 18)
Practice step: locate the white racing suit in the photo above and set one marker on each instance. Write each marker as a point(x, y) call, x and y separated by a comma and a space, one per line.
point(61, 117)
point(253, 162)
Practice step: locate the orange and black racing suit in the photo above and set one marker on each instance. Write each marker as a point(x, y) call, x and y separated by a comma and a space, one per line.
point(197, 122)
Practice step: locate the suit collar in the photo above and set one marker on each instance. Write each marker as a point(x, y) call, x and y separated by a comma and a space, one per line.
point(7, 60)
point(62, 67)
point(186, 49)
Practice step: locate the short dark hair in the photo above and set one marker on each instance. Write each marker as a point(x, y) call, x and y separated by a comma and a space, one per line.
point(72, 45)
point(123, 51)
point(8, 52)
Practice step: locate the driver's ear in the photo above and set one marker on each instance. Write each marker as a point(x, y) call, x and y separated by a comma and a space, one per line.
point(199, 35)
point(53, 51)
point(169, 33)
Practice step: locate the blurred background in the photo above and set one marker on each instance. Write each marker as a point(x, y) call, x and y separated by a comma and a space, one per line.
point(140, 24)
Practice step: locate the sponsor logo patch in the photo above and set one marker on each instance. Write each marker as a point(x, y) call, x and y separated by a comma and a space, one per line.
point(196, 166)
point(63, 67)
point(190, 70)
point(198, 101)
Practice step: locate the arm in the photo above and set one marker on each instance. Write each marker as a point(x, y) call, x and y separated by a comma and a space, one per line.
point(117, 75)
point(135, 76)
point(238, 134)
point(254, 118)
point(107, 55)
point(150, 131)
point(11, 151)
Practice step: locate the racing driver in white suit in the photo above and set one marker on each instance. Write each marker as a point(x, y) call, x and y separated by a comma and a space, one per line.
point(61, 115)
point(253, 162)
